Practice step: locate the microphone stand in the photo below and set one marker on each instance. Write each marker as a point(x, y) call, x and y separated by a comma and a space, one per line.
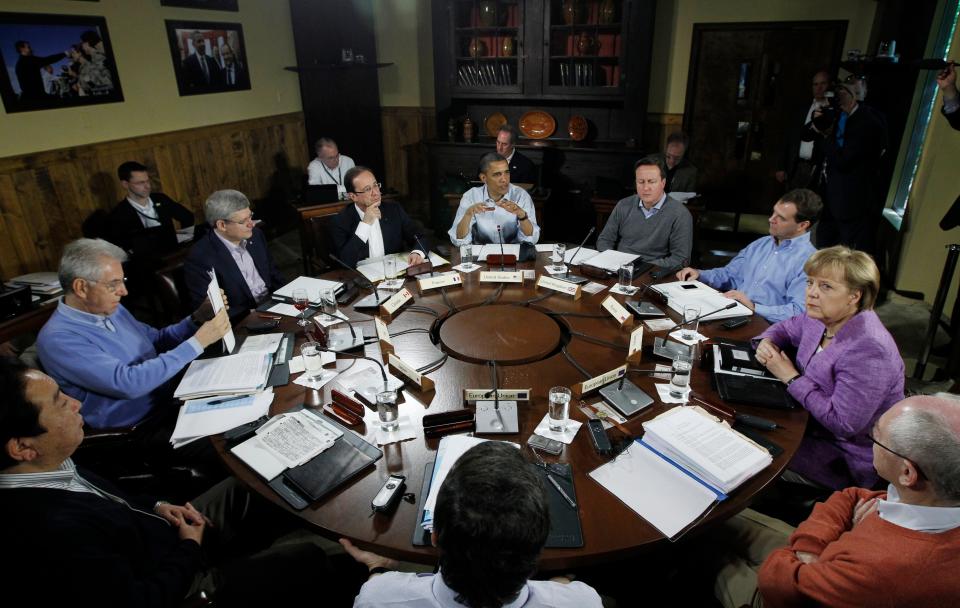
point(712, 312)
point(371, 301)
point(576, 279)
point(354, 343)
point(502, 417)
point(500, 235)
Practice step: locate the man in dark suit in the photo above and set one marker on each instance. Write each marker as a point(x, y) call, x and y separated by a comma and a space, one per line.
point(522, 169)
point(28, 72)
point(800, 161)
point(947, 82)
point(200, 70)
point(370, 227)
point(236, 250)
point(234, 72)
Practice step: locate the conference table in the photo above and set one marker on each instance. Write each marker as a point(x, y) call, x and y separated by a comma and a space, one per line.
point(479, 321)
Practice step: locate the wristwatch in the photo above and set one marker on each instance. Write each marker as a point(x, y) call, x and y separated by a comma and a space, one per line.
point(524, 218)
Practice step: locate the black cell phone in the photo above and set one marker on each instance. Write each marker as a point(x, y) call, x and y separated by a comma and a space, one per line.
point(689, 286)
point(265, 325)
point(735, 323)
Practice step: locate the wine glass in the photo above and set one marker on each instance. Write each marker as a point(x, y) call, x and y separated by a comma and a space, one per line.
point(301, 302)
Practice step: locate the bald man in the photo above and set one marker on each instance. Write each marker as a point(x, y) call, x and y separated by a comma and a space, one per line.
point(898, 547)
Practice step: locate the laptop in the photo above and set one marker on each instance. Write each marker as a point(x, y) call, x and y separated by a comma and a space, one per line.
point(320, 194)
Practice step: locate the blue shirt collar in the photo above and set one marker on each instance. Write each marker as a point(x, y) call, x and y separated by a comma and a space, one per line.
point(86, 318)
point(657, 207)
point(506, 195)
point(803, 238)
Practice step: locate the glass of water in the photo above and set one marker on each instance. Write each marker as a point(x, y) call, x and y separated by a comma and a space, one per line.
point(625, 278)
point(559, 408)
point(389, 268)
point(388, 411)
point(680, 380)
point(691, 322)
point(466, 256)
point(312, 354)
point(328, 302)
point(559, 250)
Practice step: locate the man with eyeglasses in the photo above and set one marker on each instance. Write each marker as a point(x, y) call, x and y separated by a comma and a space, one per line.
point(237, 252)
point(898, 547)
point(372, 227)
point(117, 367)
point(329, 167)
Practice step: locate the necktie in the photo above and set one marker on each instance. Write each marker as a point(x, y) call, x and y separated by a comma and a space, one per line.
point(841, 127)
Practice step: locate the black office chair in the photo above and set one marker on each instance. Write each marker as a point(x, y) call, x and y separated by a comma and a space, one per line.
point(171, 291)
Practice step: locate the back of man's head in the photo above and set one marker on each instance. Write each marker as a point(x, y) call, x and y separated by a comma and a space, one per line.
point(927, 431)
point(18, 417)
point(491, 521)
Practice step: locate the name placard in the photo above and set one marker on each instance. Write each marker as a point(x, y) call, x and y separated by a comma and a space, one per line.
point(494, 276)
point(570, 289)
point(509, 394)
point(636, 345)
point(409, 372)
point(443, 280)
point(396, 301)
point(621, 314)
point(593, 383)
point(383, 335)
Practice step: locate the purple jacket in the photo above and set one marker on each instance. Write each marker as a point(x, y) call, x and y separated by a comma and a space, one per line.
point(846, 388)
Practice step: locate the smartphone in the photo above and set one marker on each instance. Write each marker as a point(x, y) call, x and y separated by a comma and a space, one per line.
point(550, 446)
point(735, 323)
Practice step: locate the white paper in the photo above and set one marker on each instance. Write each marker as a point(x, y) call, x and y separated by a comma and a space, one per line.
point(282, 308)
point(604, 414)
point(460, 268)
point(368, 381)
point(317, 382)
point(678, 336)
point(569, 431)
point(372, 268)
point(663, 391)
point(311, 285)
point(451, 448)
point(592, 287)
point(584, 254)
point(544, 247)
point(549, 269)
point(197, 418)
point(262, 343)
point(216, 301)
point(403, 432)
point(286, 441)
point(240, 373)
point(654, 489)
point(611, 259)
point(681, 294)
point(618, 288)
point(683, 197)
point(529, 274)
point(325, 320)
point(659, 324)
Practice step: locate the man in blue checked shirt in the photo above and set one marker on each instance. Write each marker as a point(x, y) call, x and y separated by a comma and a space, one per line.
point(767, 277)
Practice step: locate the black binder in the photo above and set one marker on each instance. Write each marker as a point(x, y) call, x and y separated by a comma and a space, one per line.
point(754, 391)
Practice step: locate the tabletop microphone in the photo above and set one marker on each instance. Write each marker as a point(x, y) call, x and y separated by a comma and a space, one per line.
point(574, 278)
point(426, 265)
point(500, 234)
point(712, 312)
point(580, 246)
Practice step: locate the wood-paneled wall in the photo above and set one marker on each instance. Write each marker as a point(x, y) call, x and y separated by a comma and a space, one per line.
point(405, 156)
point(658, 128)
point(45, 197)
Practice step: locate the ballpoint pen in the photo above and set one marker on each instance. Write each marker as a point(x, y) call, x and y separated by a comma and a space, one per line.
point(219, 401)
point(556, 485)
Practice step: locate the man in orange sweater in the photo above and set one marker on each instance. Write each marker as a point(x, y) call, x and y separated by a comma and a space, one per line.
point(864, 548)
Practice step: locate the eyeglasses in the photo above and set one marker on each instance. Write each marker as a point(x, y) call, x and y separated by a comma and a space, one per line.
point(910, 460)
point(370, 188)
point(111, 286)
point(241, 222)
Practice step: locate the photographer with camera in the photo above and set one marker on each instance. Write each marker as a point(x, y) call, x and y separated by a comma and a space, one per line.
point(947, 83)
point(854, 140)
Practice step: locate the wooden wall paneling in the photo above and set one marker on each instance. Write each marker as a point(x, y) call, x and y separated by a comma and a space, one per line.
point(404, 131)
point(17, 235)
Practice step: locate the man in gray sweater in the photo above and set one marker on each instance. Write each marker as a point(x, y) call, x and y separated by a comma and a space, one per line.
point(651, 224)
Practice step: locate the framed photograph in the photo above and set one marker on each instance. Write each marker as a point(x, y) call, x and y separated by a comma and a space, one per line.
point(210, 5)
point(56, 61)
point(208, 57)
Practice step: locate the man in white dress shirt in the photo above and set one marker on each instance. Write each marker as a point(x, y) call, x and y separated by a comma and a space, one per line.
point(329, 167)
point(497, 203)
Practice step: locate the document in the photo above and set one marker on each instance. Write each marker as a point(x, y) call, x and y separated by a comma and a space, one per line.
point(231, 374)
point(286, 441)
point(262, 343)
point(313, 287)
point(368, 381)
point(681, 294)
point(282, 308)
point(494, 249)
point(204, 417)
point(372, 268)
point(580, 255)
point(611, 259)
point(216, 300)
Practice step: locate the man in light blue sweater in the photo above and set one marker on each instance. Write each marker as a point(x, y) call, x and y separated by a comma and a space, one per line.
point(116, 366)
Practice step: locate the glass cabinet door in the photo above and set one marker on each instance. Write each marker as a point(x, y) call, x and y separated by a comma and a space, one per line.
point(487, 46)
point(585, 50)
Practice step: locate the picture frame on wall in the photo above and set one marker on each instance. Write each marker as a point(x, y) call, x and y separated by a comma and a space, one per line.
point(218, 67)
point(56, 61)
point(210, 5)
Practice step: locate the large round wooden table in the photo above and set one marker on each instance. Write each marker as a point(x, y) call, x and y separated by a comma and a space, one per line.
point(526, 342)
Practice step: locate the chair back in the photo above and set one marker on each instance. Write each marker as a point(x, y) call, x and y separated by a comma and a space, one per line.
point(95, 226)
point(315, 242)
point(171, 291)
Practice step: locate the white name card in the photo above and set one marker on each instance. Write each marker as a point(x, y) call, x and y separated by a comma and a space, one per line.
point(504, 394)
point(588, 385)
point(443, 280)
point(636, 345)
point(501, 277)
point(383, 335)
point(570, 289)
point(621, 314)
point(396, 301)
point(409, 372)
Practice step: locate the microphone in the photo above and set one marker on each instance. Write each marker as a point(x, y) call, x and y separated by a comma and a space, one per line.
point(574, 278)
point(366, 284)
point(500, 234)
point(580, 246)
point(712, 312)
point(426, 255)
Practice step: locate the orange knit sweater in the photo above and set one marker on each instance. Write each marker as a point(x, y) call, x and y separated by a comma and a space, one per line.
point(875, 564)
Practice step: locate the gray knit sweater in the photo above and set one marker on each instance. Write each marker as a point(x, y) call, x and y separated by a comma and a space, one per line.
point(664, 240)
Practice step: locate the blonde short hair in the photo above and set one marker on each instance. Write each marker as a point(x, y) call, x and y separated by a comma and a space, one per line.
point(856, 270)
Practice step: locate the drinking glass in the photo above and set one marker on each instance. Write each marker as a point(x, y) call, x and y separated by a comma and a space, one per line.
point(691, 321)
point(301, 302)
point(559, 408)
point(312, 354)
point(680, 381)
point(625, 278)
point(466, 256)
point(559, 250)
point(388, 411)
point(328, 302)
point(389, 267)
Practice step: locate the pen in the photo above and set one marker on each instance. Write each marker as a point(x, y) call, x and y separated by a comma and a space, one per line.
point(228, 399)
point(263, 316)
point(566, 496)
point(756, 422)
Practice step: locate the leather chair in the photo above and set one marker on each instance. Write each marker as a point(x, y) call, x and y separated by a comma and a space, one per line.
point(171, 289)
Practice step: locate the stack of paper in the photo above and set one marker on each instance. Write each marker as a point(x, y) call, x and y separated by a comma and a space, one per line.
point(705, 447)
point(240, 374)
point(452, 447)
point(580, 255)
point(611, 259)
point(287, 441)
point(45, 283)
point(372, 268)
point(313, 287)
point(681, 294)
point(204, 417)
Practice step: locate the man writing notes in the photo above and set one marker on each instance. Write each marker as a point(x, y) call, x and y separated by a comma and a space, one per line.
point(236, 250)
point(372, 227)
point(899, 547)
point(497, 203)
point(116, 366)
point(650, 223)
point(767, 277)
point(329, 167)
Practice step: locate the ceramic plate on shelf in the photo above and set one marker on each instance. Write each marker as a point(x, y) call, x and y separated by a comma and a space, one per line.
point(537, 124)
point(578, 128)
point(493, 123)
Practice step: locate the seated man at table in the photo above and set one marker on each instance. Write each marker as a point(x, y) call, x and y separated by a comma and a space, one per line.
point(767, 276)
point(522, 169)
point(490, 523)
point(117, 367)
point(495, 204)
point(237, 251)
point(372, 227)
point(81, 541)
point(650, 223)
point(329, 167)
point(899, 547)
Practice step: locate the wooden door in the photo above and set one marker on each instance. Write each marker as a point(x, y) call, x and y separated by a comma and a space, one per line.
point(748, 83)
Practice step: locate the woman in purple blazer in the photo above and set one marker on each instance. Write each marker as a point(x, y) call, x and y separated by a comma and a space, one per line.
point(840, 363)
